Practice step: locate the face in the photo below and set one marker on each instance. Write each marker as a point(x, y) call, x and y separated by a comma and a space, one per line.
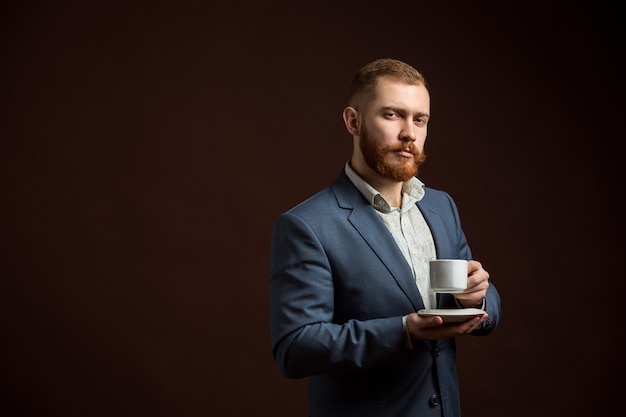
point(393, 127)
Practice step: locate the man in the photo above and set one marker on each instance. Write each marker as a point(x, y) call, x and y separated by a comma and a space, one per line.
point(349, 268)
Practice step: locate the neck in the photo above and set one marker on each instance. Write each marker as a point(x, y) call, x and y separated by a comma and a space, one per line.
point(392, 192)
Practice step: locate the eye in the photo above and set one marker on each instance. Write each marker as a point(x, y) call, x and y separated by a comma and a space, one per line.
point(421, 121)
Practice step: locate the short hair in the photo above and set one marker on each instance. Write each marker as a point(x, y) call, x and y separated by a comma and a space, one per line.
point(365, 79)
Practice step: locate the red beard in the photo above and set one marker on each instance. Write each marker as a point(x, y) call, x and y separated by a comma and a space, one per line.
point(377, 155)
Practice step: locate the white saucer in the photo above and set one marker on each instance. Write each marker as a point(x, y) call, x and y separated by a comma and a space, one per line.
point(452, 315)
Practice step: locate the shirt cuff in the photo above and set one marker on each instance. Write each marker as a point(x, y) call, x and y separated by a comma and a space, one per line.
point(409, 343)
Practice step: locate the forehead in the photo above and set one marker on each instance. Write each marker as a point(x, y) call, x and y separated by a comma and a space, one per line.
point(398, 94)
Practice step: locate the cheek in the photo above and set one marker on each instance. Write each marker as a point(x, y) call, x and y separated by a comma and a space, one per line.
point(420, 140)
point(384, 135)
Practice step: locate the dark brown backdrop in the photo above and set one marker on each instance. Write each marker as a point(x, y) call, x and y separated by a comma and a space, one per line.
point(147, 148)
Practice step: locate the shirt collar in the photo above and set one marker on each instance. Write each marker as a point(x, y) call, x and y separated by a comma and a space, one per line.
point(412, 191)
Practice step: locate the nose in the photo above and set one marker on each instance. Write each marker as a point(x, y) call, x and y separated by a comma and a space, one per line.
point(407, 133)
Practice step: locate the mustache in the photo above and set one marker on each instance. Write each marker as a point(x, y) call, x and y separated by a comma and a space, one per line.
point(418, 156)
point(409, 147)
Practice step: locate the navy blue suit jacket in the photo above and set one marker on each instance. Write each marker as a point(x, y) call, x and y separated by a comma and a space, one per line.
point(339, 287)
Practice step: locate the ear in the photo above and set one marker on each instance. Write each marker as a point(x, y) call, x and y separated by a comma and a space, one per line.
point(352, 120)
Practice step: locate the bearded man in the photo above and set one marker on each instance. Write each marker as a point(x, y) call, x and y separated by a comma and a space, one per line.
point(349, 268)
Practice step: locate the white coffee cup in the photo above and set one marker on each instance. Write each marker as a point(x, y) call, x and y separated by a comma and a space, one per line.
point(448, 275)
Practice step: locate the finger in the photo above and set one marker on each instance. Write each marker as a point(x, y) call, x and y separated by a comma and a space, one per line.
point(475, 285)
point(474, 265)
point(473, 324)
point(475, 269)
point(430, 322)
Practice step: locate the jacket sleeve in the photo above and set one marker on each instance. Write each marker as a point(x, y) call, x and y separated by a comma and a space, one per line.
point(305, 339)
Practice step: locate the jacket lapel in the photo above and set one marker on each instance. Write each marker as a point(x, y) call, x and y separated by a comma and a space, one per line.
point(367, 222)
point(437, 227)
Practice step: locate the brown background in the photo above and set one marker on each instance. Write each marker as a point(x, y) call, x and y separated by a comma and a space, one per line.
point(148, 147)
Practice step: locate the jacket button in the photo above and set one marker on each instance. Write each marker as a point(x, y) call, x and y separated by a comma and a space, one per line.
point(434, 401)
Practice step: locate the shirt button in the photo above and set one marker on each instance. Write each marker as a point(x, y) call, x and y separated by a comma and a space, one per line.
point(434, 401)
point(437, 352)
